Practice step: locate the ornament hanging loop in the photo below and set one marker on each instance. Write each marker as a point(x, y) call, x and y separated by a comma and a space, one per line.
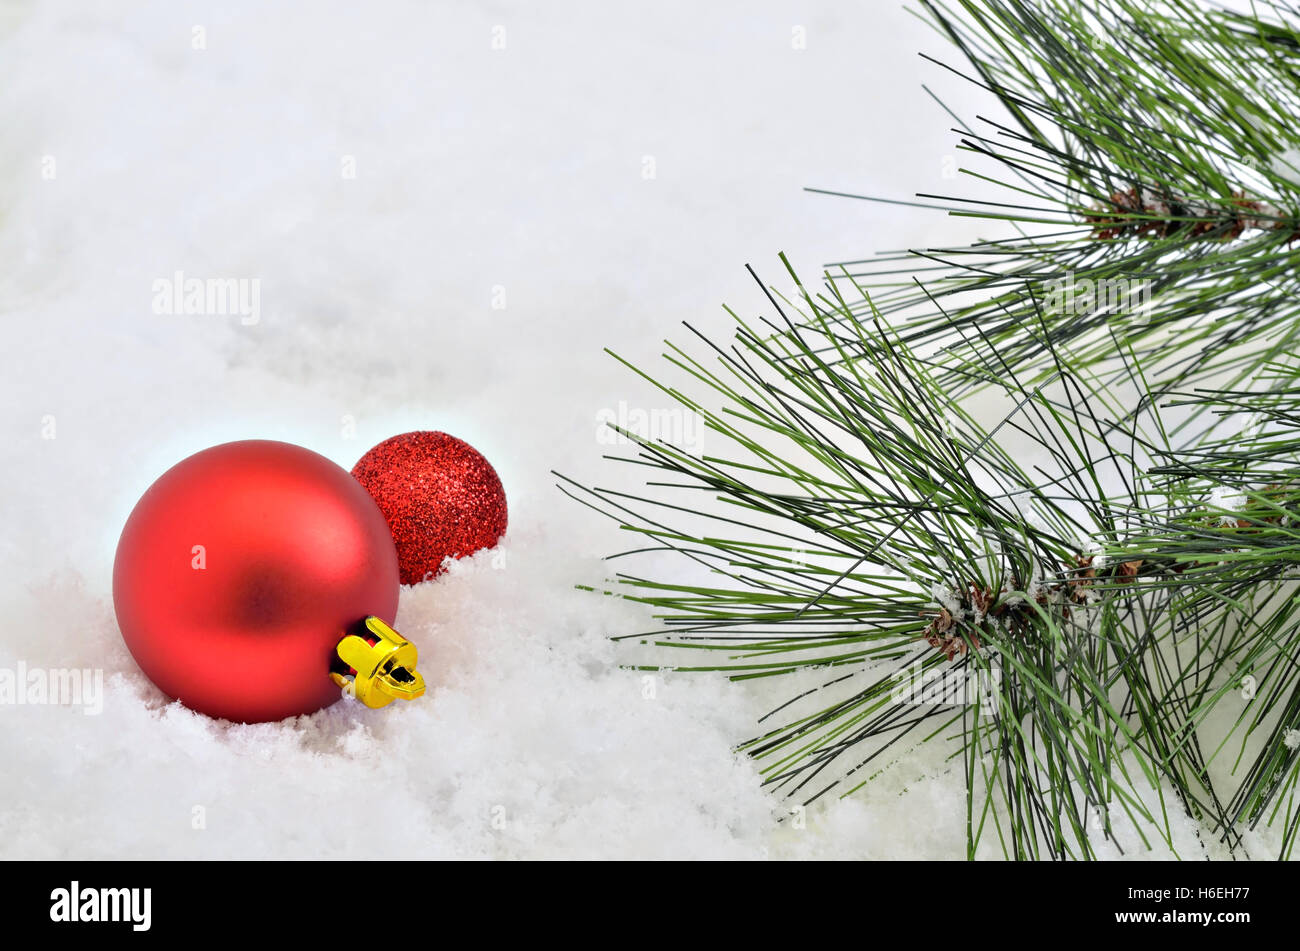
point(385, 670)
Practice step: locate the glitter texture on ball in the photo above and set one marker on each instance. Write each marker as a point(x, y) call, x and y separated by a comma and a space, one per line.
point(441, 499)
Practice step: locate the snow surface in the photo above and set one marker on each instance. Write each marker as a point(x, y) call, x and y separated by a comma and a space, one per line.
point(479, 172)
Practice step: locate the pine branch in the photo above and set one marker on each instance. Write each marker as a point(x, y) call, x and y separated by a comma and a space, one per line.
point(847, 493)
point(1111, 562)
point(1148, 157)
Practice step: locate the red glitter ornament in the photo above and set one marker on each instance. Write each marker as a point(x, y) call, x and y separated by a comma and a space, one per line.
point(440, 496)
point(240, 571)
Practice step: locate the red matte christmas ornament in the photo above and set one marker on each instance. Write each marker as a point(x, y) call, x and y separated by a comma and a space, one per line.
point(441, 499)
point(255, 579)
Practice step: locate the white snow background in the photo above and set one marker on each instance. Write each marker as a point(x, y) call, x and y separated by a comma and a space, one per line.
point(479, 171)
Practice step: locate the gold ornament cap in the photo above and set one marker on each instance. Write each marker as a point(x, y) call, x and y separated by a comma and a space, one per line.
point(385, 670)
